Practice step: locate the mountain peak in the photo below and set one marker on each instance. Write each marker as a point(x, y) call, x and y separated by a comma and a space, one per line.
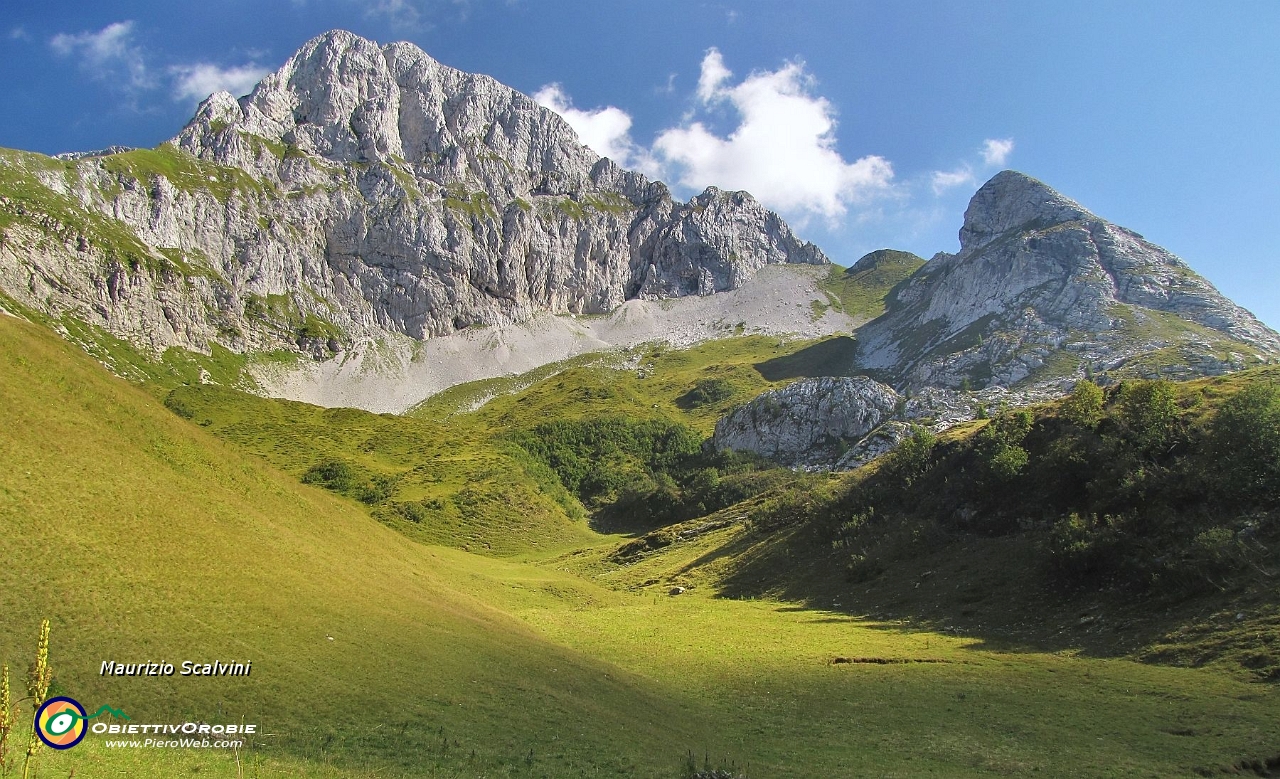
point(1013, 200)
point(381, 192)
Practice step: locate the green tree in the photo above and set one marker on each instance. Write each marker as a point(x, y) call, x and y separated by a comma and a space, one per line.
point(999, 445)
point(1083, 406)
point(1244, 444)
point(911, 459)
point(1149, 414)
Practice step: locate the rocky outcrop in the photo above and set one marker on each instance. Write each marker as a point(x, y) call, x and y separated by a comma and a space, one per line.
point(841, 423)
point(807, 423)
point(1042, 292)
point(360, 191)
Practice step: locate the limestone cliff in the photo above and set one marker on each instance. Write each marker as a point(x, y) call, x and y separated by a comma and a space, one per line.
point(361, 190)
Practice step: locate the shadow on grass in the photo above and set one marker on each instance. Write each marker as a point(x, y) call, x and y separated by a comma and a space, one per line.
point(991, 591)
point(609, 522)
point(832, 357)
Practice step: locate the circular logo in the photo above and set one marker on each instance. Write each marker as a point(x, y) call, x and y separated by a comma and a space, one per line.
point(60, 723)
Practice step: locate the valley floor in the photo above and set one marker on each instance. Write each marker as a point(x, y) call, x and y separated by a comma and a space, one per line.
point(772, 689)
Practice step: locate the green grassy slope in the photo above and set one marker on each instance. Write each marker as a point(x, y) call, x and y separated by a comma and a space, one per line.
point(142, 537)
point(449, 477)
point(653, 381)
point(139, 533)
point(860, 290)
point(912, 702)
point(435, 483)
point(465, 482)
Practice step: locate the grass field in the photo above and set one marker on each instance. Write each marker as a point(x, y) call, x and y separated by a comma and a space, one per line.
point(144, 538)
point(145, 534)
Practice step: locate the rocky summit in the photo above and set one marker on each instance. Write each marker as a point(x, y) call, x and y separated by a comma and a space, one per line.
point(361, 191)
point(1042, 292)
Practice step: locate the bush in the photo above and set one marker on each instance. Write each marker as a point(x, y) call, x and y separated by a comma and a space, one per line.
point(1087, 549)
point(335, 475)
point(999, 446)
point(1244, 446)
point(347, 479)
point(1083, 407)
point(1215, 551)
point(588, 455)
point(1148, 414)
point(706, 392)
point(1007, 462)
point(910, 460)
point(649, 471)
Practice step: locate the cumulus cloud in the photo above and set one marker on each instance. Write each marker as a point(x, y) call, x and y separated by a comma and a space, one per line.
point(995, 151)
point(109, 53)
point(113, 54)
point(606, 130)
point(783, 149)
point(202, 79)
point(714, 74)
point(19, 33)
point(944, 180)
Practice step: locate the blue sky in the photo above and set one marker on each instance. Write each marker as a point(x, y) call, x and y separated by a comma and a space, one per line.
point(866, 124)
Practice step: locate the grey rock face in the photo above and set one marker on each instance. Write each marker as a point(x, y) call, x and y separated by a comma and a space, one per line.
point(1042, 291)
point(371, 189)
point(807, 423)
point(843, 423)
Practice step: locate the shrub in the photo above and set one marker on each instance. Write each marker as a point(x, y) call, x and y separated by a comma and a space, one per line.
point(911, 458)
point(1148, 413)
point(1008, 462)
point(347, 479)
point(1244, 444)
point(335, 475)
point(1083, 407)
point(999, 445)
point(1087, 548)
point(706, 392)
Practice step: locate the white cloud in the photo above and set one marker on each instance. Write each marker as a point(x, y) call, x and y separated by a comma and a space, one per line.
point(995, 151)
point(200, 80)
point(606, 130)
point(112, 54)
point(944, 180)
point(714, 74)
point(108, 53)
point(19, 33)
point(783, 149)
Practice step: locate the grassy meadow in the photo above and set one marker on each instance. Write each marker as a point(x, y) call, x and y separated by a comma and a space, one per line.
point(421, 596)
